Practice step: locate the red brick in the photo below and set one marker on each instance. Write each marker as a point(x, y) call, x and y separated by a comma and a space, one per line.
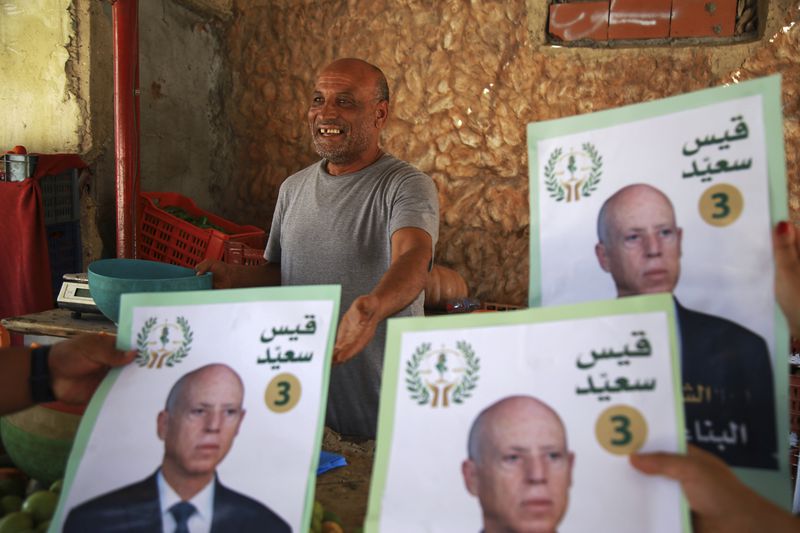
point(703, 18)
point(585, 20)
point(639, 19)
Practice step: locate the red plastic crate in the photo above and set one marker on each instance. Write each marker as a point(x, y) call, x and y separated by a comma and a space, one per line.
point(166, 238)
point(238, 253)
point(494, 306)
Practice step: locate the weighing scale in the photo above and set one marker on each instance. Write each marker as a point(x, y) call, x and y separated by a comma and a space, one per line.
point(75, 296)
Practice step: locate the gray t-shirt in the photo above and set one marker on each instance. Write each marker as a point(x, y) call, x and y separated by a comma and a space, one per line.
point(337, 230)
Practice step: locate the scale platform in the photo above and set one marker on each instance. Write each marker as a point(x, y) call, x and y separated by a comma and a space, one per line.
point(75, 296)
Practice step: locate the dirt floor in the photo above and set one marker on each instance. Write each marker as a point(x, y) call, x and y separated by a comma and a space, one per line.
point(344, 490)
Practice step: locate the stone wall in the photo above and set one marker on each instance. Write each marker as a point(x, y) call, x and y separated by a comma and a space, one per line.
point(184, 136)
point(466, 77)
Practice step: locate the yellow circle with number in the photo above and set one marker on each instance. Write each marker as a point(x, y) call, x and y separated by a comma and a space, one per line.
point(282, 393)
point(721, 205)
point(621, 429)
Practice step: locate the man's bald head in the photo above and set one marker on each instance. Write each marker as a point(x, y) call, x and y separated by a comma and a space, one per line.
point(363, 70)
point(638, 192)
point(502, 409)
point(639, 243)
point(217, 370)
point(519, 466)
point(201, 418)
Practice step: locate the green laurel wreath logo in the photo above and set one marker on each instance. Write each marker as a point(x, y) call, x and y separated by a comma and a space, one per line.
point(556, 190)
point(414, 383)
point(594, 176)
point(183, 350)
point(463, 390)
point(143, 357)
point(550, 182)
point(467, 385)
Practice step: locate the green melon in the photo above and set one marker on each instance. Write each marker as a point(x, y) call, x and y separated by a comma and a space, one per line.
point(39, 440)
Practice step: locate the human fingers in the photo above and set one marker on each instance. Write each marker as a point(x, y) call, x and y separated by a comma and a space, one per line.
point(341, 354)
point(345, 336)
point(203, 266)
point(106, 352)
point(660, 463)
point(785, 244)
point(86, 353)
point(219, 270)
point(787, 272)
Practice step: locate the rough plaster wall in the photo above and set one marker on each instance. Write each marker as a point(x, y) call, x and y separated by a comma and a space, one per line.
point(60, 98)
point(184, 139)
point(98, 207)
point(782, 54)
point(466, 78)
point(39, 111)
point(217, 8)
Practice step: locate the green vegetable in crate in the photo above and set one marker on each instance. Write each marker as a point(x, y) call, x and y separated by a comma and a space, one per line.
point(56, 486)
point(316, 517)
point(40, 505)
point(200, 221)
point(324, 521)
point(16, 522)
point(330, 516)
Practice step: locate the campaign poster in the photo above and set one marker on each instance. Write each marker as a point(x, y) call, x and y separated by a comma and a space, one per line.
point(222, 409)
point(679, 196)
point(524, 420)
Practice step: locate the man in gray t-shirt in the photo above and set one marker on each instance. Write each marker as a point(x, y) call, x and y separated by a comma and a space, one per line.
point(359, 218)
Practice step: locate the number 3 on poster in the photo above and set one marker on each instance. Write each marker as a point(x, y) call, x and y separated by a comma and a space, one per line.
point(621, 429)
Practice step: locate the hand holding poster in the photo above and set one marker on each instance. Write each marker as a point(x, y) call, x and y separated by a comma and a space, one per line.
point(678, 196)
point(217, 422)
point(508, 421)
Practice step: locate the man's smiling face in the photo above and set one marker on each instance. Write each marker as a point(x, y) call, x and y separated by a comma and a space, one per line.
point(346, 115)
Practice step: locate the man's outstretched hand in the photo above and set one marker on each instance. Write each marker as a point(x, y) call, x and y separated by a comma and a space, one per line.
point(356, 328)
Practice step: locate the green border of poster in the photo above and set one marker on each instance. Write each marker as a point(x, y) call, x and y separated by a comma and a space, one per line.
point(261, 294)
point(771, 484)
point(392, 374)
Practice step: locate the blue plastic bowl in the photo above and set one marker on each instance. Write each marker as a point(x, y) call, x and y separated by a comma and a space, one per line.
point(111, 278)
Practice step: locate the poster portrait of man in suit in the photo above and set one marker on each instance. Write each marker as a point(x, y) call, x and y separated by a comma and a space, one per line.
point(727, 376)
point(201, 417)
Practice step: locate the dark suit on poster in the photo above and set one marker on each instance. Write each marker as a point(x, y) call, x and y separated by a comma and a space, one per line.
point(728, 390)
point(136, 509)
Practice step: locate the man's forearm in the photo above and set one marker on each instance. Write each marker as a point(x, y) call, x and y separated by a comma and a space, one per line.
point(403, 282)
point(267, 274)
point(15, 364)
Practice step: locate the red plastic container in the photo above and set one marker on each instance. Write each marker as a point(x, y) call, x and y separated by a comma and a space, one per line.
point(169, 239)
point(237, 253)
